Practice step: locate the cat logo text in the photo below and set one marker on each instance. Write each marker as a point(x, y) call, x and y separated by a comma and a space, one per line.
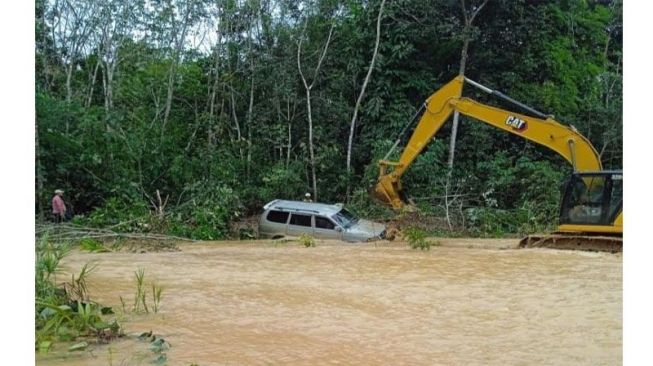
point(516, 123)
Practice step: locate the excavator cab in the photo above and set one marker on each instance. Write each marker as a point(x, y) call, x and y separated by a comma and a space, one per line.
point(592, 198)
point(591, 215)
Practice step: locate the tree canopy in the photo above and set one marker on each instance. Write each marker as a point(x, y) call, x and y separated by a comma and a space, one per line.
point(196, 109)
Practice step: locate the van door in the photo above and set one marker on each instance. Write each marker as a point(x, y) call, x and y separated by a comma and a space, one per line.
point(327, 229)
point(300, 224)
point(274, 223)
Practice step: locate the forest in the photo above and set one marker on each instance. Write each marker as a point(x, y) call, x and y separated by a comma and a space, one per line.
point(183, 117)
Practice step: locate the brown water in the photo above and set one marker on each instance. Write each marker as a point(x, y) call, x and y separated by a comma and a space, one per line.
point(261, 304)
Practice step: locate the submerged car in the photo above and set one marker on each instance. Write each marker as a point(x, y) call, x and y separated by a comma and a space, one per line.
point(281, 218)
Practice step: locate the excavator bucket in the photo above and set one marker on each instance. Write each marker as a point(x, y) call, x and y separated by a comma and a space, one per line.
point(611, 244)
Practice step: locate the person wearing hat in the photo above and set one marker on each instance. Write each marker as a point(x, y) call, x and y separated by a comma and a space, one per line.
point(58, 206)
point(307, 197)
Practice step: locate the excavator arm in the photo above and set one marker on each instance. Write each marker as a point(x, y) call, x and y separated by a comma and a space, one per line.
point(543, 130)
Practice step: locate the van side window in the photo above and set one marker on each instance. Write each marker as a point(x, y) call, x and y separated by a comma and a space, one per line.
point(300, 220)
point(324, 223)
point(278, 216)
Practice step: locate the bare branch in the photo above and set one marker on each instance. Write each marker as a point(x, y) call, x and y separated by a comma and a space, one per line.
point(299, 54)
point(464, 8)
point(362, 93)
point(324, 51)
point(476, 11)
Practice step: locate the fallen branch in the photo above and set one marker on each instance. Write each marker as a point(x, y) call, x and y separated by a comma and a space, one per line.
point(64, 232)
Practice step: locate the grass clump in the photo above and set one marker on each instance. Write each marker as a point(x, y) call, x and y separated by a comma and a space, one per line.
point(92, 245)
point(416, 238)
point(307, 240)
point(141, 295)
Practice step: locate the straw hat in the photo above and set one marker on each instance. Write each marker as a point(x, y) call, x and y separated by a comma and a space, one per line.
point(58, 191)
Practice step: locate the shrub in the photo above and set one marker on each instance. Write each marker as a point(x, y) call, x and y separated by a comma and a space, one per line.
point(307, 240)
point(281, 182)
point(92, 245)
point(417, 238)
point(206, 215)
point(121, 215)
point(64, 313)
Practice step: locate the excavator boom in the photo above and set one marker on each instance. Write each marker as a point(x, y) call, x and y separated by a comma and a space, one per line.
point(542, 129)
point(566, 141)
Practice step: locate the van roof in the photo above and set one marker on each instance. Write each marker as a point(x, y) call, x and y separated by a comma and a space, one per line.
point(299, 206)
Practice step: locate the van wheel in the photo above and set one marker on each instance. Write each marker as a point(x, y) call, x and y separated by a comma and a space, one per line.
point(277, 237)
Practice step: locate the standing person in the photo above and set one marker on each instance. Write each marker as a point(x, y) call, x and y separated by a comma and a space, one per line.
point(307, 197)
point(58, 206)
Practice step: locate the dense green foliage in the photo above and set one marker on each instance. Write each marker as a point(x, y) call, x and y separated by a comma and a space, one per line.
point(202, 102)
point(417, 238)
point(63, 311)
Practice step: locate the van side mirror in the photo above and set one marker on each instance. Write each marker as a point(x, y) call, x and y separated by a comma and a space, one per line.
point(338, 228)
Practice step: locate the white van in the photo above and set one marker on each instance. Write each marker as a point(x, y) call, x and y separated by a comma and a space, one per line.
point(281, 218)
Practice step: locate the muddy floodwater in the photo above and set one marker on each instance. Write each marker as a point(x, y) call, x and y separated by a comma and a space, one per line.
point(466, 302)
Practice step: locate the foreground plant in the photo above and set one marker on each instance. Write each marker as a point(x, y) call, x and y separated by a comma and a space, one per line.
point(416, 238)
point(140, 297)
point(65, 312)
point(307, 240)
point(92, 245)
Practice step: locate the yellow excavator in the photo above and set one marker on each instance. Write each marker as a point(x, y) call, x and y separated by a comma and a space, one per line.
point(591, 215)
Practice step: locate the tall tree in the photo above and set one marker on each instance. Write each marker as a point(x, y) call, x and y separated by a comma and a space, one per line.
point(73, 21)
point(189, 11)
point(352, 127)
point(308, 87)
point(468, 21)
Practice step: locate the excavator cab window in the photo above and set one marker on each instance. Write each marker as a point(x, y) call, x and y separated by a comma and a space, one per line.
point(592, 199)
point(616, 196)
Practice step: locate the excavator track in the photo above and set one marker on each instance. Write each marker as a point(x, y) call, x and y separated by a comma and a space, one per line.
point(611, 244)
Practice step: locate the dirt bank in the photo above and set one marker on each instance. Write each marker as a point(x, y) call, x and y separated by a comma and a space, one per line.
point(465, 302)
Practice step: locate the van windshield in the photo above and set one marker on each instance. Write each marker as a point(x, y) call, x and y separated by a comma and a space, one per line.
point(345, 218)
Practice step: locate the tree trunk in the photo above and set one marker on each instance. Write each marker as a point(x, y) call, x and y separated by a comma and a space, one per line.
point(310, 141)
point(468, 21)
point(169, 94)
point(214, 89)
point(109, 97)
point(107, 84)
point(249, 154)
point(69, 90)
point(289, 134)
point(173, 68)
point(250, 107)
point(456, 115)
point(447, 203)
point(104, 87)
point(89, 99)
point(39, 174)
point(235, 117)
